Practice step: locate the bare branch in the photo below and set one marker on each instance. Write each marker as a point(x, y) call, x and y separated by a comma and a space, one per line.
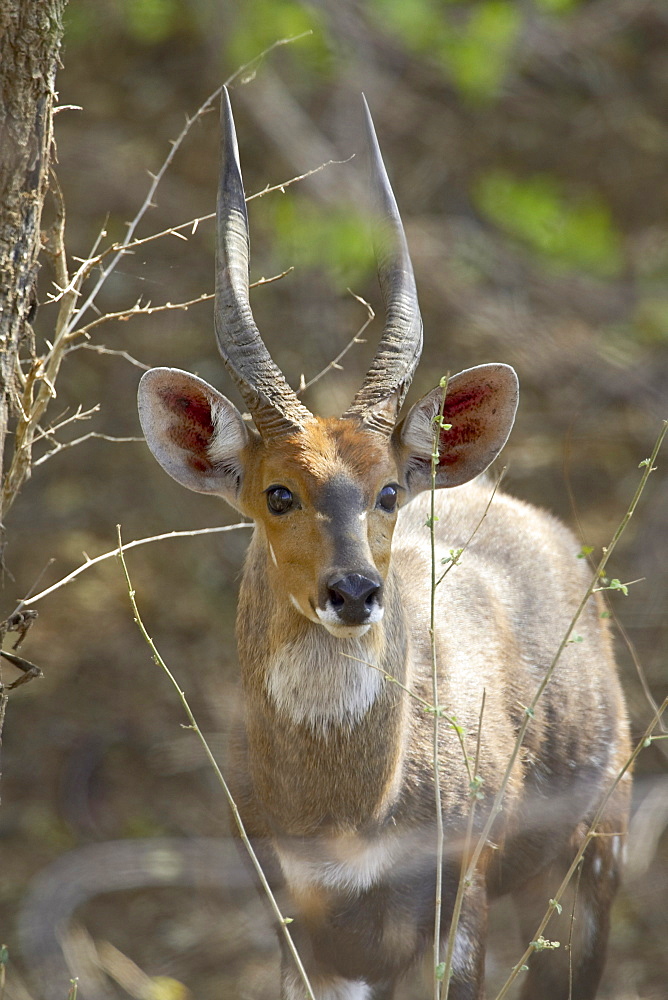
point(62, 445)
point(246, 72)
point(101, 349)
point(357, 339)
point(156, 178)
point(138, 310)
point(293, 180)
point(126, 545)
point(192, 224)
point(80, 414)
point(148, 310)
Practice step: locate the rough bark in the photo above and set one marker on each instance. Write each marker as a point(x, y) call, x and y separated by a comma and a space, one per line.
point(30, 38)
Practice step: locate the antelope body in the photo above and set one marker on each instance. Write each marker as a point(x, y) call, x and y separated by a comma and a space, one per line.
point(333, 764)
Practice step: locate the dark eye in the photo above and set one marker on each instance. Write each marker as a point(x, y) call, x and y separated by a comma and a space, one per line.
point(387, 498)
point(279, 499)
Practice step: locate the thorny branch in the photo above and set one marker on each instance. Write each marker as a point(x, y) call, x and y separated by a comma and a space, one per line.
point(36, 376)
point(356, 339)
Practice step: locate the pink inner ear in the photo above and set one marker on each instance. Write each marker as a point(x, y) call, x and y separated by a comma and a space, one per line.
point(464, 410)
point(191, 426)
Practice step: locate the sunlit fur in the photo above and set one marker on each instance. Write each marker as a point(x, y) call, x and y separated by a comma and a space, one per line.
point(338, 752)
point(332, 764)
point(306, 542)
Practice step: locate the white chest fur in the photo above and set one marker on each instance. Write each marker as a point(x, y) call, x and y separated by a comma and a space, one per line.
point(322, 681)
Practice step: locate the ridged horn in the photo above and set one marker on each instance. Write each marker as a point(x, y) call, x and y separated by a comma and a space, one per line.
point(273, 405)
point(386, 383)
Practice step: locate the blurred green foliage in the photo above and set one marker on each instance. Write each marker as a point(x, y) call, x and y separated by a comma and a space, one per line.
point(473, 42)
point(310, 235)
point(650, 324)
point(557, 6)
point(151, 21)
point(569, 232)
point(268, 21)
point(146, 22)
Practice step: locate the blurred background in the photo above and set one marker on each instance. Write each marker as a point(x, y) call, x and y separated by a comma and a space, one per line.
point(527, 143)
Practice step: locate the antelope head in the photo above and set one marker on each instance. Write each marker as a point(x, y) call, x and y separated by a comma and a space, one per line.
point(324, 493)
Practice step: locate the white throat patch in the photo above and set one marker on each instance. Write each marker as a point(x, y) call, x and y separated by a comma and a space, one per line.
point(312, 681)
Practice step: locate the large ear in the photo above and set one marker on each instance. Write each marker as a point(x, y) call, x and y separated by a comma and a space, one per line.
point(195, 433)
point(480, 405)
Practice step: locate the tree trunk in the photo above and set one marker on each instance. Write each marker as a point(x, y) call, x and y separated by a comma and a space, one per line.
point(30, 37)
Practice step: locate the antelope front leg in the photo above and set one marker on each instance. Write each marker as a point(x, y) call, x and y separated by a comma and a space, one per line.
point(467, 981)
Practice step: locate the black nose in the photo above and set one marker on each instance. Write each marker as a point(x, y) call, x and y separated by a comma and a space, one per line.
point(353, 597)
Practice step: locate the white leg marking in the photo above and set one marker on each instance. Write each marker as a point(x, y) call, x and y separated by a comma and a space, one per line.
point(461, 953)
point(348, 863)
point(327, 989)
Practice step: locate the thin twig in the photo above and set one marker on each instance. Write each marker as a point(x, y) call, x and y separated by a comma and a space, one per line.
point(270, 188)
point(462, 884)
point(29, 601)
point(242, 73)
point(529, 710)
point(643, 742)
point(101, 349)
point(156, 178)
point(334, 364)
point(79, 414)
point(282, 920)
point(435, 456)
point(391, 679)
point(148, 309)
point(455, 559)
point(63, 445)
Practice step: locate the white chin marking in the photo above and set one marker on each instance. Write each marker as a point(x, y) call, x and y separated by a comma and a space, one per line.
point(345, 631)
point(329, 618)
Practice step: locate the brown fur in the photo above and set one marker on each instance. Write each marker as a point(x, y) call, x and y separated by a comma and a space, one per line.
point(332, 764)
point(502, 614)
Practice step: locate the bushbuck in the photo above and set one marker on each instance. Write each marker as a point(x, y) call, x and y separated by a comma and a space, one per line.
point(332, 766)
